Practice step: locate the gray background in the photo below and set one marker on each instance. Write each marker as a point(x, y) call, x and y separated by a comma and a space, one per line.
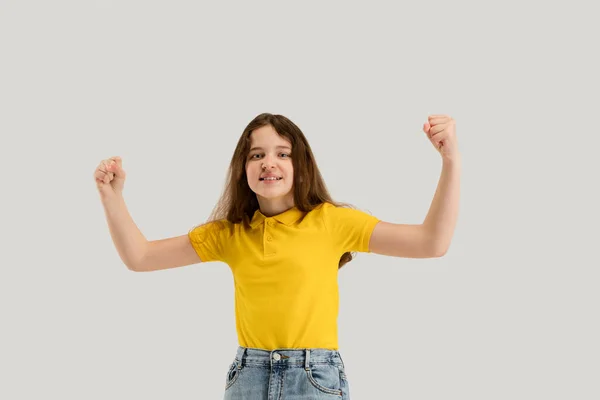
point(511, 311)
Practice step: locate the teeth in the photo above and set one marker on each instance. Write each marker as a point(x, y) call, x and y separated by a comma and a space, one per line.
point(270, 179)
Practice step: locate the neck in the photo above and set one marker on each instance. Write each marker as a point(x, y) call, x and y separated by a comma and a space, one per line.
point(270, 207)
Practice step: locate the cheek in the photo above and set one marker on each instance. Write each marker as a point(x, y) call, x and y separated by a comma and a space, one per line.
point(249, 174)
point(252, 175)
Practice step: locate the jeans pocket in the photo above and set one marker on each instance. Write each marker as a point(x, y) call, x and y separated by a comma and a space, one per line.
point(326, 378)
point(232, 374)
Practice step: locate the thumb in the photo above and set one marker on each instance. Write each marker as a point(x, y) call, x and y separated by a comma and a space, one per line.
point(426, 128)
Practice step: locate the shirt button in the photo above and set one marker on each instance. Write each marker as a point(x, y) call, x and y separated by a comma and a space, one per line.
point(269, 238)
point(276, 357)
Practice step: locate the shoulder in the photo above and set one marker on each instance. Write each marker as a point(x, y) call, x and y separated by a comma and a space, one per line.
point(349, 227)
point(323, 211)
point(344, 211)
point(326, 208)
point(344, 218)
point(211, 228)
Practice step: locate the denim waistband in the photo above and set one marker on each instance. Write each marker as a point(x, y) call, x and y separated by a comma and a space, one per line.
point(287, 357)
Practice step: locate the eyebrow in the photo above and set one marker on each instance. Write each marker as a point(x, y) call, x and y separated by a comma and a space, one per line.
point(278, 147)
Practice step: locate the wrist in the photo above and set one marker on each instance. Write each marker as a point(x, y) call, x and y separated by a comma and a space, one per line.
point(451, 159)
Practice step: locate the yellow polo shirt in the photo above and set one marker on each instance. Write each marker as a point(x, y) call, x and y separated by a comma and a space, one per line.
point(285, 270)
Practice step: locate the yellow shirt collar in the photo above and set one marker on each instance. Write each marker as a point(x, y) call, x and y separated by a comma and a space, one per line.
point(287, 217)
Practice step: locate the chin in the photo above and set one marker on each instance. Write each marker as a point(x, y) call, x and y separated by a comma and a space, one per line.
point(272, 195)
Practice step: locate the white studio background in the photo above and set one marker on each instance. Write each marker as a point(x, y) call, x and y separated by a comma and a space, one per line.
point(509, 312)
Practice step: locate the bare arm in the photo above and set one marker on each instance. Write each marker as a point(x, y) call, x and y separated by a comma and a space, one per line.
point(129, 241)
point(443, 212)
point(402, 240)
point(139, 254)
point(168, 253)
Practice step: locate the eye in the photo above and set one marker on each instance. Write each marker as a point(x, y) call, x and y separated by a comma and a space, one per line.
point(285, 154)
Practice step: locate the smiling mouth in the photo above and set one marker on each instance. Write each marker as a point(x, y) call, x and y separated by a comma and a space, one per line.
point(270, 179)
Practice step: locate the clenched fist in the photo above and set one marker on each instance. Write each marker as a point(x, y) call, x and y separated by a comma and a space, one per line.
point(110, 176)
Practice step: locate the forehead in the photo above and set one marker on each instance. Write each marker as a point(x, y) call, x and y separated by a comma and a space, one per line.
point(267, 136)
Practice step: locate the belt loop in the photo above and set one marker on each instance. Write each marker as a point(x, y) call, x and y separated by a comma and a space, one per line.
point(240, 356)
point(307, 360)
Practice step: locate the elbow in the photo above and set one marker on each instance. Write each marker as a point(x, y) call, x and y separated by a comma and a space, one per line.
point(440, 252)
point(437, 246)
point(136, 264)
point(437, 250)
point(132, 267)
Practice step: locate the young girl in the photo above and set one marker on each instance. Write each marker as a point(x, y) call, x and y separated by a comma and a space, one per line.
point(284, 238)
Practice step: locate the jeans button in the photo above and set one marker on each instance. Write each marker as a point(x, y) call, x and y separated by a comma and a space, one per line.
point(276, 357)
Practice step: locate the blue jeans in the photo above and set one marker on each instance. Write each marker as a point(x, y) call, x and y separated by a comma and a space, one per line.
point(286, 374)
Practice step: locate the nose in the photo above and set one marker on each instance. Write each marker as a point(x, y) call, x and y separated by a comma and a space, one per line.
point(267, 163)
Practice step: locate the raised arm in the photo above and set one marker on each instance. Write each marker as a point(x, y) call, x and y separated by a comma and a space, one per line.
point(136, 252)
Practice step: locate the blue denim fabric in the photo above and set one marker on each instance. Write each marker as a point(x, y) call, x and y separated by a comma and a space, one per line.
point(286, 374)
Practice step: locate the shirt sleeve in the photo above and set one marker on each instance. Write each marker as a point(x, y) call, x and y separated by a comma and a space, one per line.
point(209, 240)
point(350, 229)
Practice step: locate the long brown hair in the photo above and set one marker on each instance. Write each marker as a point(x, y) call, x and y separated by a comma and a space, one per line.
point(238, 200)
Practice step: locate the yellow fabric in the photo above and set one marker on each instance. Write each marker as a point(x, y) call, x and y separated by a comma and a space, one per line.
point(285, 271)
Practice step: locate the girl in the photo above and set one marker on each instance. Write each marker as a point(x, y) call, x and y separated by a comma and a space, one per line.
point(284, 238)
